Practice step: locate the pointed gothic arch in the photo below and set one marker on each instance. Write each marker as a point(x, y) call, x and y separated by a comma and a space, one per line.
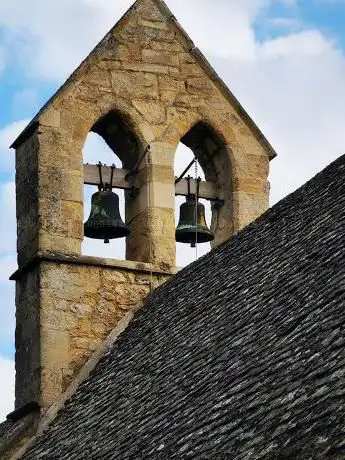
point(119, 133)
point(212, 152)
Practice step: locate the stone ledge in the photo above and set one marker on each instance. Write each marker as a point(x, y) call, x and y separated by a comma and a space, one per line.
point(127, 265)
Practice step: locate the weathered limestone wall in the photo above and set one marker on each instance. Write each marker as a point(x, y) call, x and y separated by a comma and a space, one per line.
point(149, 72)
point(64, 312)
point(27, 192)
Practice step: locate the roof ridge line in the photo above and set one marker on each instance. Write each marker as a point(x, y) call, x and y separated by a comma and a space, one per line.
point(50, 414)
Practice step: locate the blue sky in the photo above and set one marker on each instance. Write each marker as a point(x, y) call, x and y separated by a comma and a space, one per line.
point(283, 59)
point(326, 15)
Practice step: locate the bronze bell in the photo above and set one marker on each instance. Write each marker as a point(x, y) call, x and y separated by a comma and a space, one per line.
point(105, 222)
point(187, 231)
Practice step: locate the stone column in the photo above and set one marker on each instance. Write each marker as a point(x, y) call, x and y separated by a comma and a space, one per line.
point(49, 189)
point(152, 213)
point(60, 192)
point(250, 188)
point(27, 198)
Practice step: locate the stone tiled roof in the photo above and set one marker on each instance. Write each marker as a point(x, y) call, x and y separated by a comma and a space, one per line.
point(240, 356)
point(17, 429)
point(5, 428)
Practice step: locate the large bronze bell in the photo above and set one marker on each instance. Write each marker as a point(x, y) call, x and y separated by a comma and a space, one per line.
point(187, 231)
point(105, 222)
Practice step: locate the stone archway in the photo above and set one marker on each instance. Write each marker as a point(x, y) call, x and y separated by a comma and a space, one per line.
point(210, 149)
point(119, 133)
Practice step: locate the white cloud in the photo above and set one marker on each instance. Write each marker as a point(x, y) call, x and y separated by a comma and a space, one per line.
point(6, 387)
point(7, 313)
point(286, 23)
point(8, 260)
point(303, 44)
point(8, 264)
point(7, 225)
point(51, 38)
point(295, 90)
point(7, 135)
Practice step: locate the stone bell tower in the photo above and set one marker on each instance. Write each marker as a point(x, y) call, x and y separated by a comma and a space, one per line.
point(144, 84)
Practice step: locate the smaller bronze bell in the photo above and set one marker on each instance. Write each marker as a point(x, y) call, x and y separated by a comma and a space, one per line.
point(105, 222)
point(187, 231)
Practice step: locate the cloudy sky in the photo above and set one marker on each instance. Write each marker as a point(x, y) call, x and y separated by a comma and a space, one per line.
point(283, 59)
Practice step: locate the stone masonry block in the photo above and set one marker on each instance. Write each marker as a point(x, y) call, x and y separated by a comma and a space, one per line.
point(153, 24)
point(248, 207)
point(51, 385)
point(153, 112)
point(51, 242)
point(169, 88)
point(162, 154)
point(135, 84)
point(160, 57)
point(145, 33)
point(190, 70)
point(200, 86)
point(157, 173)
point(155, 226)
point(99, 78)
point(54, 347)
point(113, 277)
point(157, 194)
point(51, 118)
point(171, 47)
point(146, 67)
point(250, 185)
point(148, 10)
point(128, 52)
point(254, 166)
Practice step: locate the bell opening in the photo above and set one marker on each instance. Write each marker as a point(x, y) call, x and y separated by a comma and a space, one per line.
point(103, 211)
point(188, 235)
